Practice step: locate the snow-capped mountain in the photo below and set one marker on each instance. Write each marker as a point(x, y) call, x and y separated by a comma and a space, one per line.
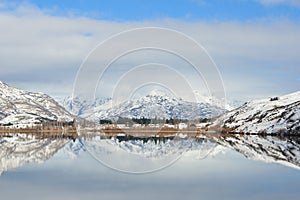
point(272, 115)
point(150, 106)
point(18, 150)
point(81, 107)
point(159, 107)
point(20, 108)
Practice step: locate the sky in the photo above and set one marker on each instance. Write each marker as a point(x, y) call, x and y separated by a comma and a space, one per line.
point(254, 43)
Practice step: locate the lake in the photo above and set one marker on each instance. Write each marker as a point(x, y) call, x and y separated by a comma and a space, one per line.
point(208, 167)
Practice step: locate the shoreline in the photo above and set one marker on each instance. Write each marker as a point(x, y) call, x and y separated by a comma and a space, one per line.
point(134, 132)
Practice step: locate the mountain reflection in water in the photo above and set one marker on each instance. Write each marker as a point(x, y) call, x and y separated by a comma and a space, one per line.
point(19, 149)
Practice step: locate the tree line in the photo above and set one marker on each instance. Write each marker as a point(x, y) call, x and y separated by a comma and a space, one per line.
point(147, 121)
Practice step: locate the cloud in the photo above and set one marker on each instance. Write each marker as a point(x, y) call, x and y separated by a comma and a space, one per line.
point(295, 3)
point(43, 52)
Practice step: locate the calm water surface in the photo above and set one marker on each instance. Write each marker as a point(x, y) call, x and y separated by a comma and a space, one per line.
point(237, 167)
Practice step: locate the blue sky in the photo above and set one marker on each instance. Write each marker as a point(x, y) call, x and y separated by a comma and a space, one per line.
point(189, 10)
point(255, 43)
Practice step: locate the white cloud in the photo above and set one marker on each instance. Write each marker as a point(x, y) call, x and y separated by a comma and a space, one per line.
point(258, 58)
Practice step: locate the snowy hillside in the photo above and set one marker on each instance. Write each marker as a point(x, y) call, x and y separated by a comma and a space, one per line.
point(149, 106)
point(272, 115)
point(21, 108)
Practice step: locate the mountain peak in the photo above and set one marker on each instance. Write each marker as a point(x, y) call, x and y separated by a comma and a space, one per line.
point(155, 105)
point(157, 92)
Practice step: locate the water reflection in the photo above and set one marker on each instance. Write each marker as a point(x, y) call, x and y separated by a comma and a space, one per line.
point(282, 150)
point(138, 155)
point(145, 155)
point(19, 149)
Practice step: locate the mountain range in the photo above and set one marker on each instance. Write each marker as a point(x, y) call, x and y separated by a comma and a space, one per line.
point(281, 114)
point(153, 105)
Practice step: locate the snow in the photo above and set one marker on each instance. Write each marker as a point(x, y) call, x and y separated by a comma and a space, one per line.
point(24, 108)
point(265, 115)
point(154, 105)
point(182, 125)
point(212, 100)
